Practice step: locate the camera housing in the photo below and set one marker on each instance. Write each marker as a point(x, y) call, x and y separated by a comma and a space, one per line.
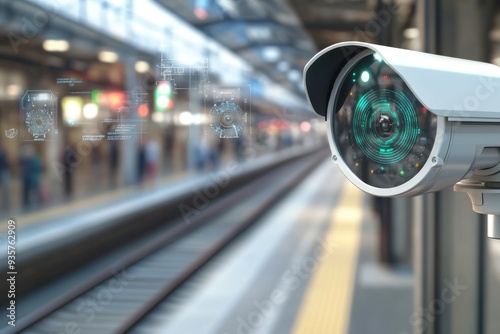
point(404, 123)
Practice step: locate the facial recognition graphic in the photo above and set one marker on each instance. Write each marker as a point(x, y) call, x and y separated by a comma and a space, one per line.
point(185, 73)
point(230, 111)
point(38, 115)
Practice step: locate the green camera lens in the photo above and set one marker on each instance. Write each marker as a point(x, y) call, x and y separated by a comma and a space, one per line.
point(385, 126)
point(382, 131)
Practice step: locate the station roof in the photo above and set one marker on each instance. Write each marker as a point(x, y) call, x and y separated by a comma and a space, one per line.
point(278, 37)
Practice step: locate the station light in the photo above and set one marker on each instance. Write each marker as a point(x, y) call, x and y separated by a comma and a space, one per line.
point(72, 109)
point(411, 33)
point(201, 9)
point(186, 118)
point(13, 90)
point(108, 56)
point(55, 45)
point(116, 100)
point(159, 117)
point(163, 96)
point(90, 110)
point(305, 126)
point(143, 110)
point(271, 53)
point(141, 66)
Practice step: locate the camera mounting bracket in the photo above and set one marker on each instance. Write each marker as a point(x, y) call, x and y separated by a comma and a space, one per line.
point(485, 198)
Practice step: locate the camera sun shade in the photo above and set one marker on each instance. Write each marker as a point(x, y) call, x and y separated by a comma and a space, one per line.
point(405, 123)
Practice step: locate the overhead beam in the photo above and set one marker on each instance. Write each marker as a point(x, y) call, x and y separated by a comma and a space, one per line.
point(335, 25)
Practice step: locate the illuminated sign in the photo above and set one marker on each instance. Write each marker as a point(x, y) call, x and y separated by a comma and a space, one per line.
point(113, 100)
point(163, 96)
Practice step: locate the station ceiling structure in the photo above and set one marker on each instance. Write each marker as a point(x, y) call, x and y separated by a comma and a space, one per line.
point(278, 37)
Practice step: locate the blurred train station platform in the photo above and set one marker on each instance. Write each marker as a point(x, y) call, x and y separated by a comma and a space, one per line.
point(162, 171)
point(309, 266)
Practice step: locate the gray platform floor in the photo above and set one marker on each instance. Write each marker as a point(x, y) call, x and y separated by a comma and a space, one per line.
point(237, 292)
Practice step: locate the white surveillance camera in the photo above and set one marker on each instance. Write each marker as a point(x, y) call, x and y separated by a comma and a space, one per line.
point(405, 123)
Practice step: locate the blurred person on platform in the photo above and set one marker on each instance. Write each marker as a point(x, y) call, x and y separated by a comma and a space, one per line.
point(214, 153)
point(239, 148)
point(31, 168)
point(68, 158)
point(4, 176)
point(285, 139)
point(26, 166)
point(141, 162)
point(201, 155)
point(152, 156)
point(114, 158)
point(40, 188)
point(169, 146)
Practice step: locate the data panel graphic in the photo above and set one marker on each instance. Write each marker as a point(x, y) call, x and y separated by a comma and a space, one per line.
point(105, 115)
point(189, 73)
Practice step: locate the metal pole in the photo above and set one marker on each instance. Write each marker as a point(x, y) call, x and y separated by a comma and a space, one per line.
point(130, 147)
point(424, 218)
point(494, 226)
point(424, 255)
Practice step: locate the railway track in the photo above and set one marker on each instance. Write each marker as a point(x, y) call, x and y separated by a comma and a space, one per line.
point(115, 299)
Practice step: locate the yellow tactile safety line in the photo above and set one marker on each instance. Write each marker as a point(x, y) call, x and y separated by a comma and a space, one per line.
point(327, 303)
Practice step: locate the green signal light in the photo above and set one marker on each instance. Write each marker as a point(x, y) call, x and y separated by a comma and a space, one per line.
point(402, 172)
point(96, 96)
point(163, 96)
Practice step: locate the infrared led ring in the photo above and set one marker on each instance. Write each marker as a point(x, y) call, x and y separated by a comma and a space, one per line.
point(385, 125)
